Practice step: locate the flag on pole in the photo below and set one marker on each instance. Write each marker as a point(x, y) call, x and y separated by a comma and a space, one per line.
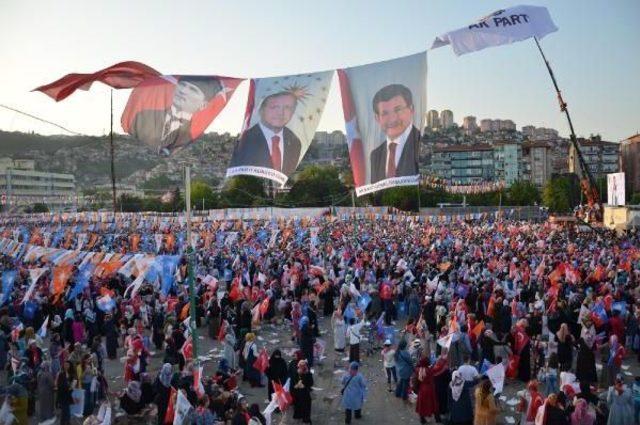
point(354, 140)
point(34, 275)
point(504, 26)
point(8, 278)
point(42, 332)
point(182, 408)
point(123, 75)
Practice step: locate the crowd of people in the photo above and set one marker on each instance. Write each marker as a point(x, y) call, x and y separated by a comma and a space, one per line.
point(453, 309)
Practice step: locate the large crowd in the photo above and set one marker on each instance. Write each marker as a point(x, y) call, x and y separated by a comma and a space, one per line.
point(457, 311)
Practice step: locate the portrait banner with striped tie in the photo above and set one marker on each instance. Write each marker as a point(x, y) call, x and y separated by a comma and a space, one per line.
point(384, 104)
point(281, 118)
point(169, 112)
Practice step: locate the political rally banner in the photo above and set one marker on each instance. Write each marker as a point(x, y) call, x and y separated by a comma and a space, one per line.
point(504, 26)
point(169, 112)
point(281, 118)
point(389, 100)
point(615, 189)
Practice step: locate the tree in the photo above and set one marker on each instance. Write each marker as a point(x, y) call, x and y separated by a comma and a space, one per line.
point(318, 186)
point(404, 198)
point(635, 199)
point(129, 203)
point(522, 193)
point(40, 208)
point(556, 194)
point(202, 196)
point(243, 191)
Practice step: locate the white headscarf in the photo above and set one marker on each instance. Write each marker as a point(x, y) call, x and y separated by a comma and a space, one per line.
point(457, 385)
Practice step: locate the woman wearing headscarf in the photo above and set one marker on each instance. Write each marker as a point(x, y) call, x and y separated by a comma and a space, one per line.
point(614, 361)
point(65, 381)
point(229, 350)
point(276, 371)
point(354, 390)
point(301, 392)
point(131, 400)
point(404, 364)
point(620, 401)
point(486, 409)
point(565, 347)
point(306, 340)
point(148, 391)
point(586, 359)
point(460, 407)
point(18, 400)
point(46, 392)
point(111, 334)
point(256, 416)
point(214, 315)
point(339, 331)
point(530, 402)
point(250, 355)
point(67, 328)
point(427, 403)
point(441, 378)
point(162, 388)
point(583, 414)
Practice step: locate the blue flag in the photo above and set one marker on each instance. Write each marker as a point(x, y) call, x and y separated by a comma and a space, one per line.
point(82, 279)
point(8, 278)
point(168, 269)
point(363, 301)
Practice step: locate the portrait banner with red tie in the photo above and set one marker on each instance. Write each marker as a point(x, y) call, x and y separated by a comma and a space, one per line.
point(169, 112)
point(280, 122)
point(384, 105)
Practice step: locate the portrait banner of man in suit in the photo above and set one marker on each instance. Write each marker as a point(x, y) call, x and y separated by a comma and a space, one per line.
point(169, 112)
point(387, 102)
point(280, 121)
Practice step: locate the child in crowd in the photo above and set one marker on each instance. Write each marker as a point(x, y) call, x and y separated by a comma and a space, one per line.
point(389, 362)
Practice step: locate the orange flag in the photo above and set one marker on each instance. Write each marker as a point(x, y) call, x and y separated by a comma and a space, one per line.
point(477, 329)
point(61, 275)
point(134, 240)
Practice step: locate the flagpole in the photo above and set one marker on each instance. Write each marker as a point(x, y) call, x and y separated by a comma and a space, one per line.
point(574, 141)
point(190, 268)
point(113, 166)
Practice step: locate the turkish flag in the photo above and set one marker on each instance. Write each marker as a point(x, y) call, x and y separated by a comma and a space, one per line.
point(123, 75)
point(282, 395)
point(512, 367)
point(356, 150)
point(169, 112)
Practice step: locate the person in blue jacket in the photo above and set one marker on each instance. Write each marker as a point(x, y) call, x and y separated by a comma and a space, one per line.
point(354, 390)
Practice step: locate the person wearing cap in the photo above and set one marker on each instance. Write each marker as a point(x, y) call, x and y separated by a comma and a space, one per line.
point(389, 362)
point(354, 390)
point(620, 403)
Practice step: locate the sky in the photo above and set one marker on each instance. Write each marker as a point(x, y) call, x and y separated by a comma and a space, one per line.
point(594, 55)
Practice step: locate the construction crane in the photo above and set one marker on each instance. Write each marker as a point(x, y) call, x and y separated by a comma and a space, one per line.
point(587, 182)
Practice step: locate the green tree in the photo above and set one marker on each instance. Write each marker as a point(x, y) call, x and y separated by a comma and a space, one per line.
point(404, 198)
point(243, 191)
point(152, 204)
point(40, 208)
point(522, 193)
point(318, 186)
point(601, 184)
point(556, 195)
point(202, 196)
point(635, 199)
point(129, 203)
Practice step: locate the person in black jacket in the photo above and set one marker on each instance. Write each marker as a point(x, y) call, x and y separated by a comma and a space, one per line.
point(276, 372)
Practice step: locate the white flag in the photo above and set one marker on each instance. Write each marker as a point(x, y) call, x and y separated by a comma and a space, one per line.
point(42, 332)
point(496, 376)
point(182, 409)
point(34, 274)
point(505, 26)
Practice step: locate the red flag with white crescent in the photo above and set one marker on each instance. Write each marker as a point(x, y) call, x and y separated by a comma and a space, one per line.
point(123, 75)
point(356, 150)
point(171, 111)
